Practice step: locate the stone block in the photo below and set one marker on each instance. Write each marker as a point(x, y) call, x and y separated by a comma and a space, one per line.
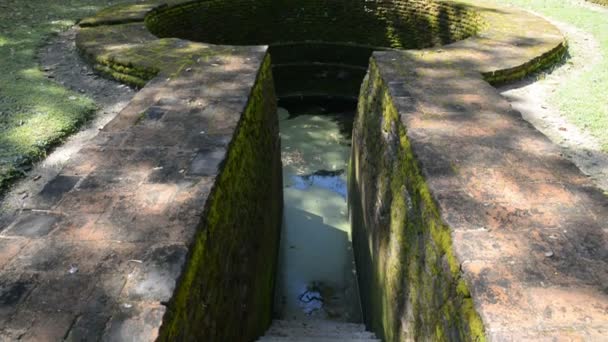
point(134, 323)
point(32, 225)
point(207, 162)
point(154, 279)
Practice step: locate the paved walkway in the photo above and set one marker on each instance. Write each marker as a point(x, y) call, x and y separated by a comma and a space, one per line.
point(98, 250)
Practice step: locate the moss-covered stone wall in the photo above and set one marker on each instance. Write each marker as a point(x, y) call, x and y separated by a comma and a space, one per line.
point(318, 46)
point(319, 68)
point(410, 280)
point(226, 291)
point(388, 23)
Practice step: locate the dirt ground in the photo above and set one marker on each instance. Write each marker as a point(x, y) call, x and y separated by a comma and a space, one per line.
point(531, 97)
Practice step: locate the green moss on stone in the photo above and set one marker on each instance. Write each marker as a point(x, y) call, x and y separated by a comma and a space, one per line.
point(230, 273)
point(541, 62)
point(133, 81)
point(395, 24)
point(473, 321)
point(120, 14)
point(437, 296)
point(462, 289)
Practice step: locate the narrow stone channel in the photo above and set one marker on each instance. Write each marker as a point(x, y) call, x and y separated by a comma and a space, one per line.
point(316, 277)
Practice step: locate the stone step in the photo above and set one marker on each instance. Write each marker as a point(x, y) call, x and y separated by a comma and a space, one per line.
point(319, 324)
point(311, 332)
point(315, 339)
point(317, 331)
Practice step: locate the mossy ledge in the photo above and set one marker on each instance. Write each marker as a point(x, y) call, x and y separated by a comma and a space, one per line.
point(456, 201)
point(411, 283)
point(318, 47)
point(400, 24)
point(230, 273)
point(123, 42)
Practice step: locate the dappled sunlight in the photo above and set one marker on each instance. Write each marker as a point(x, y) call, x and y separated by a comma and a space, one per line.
point(42, 112)
point(182, 187)
point(60, 25)
point(32, 73)
point(329, 57)
point(503, 190)
point(118, 47)
point(419, 24)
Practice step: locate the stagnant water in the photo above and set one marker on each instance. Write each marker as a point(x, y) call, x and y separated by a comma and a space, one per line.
point(316, 277)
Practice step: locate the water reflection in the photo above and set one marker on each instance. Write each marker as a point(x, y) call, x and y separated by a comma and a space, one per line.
point(330, 180)
point(316, 272)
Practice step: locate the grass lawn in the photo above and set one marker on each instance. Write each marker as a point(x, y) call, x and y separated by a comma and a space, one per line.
point(584, 100)
point(35, 112)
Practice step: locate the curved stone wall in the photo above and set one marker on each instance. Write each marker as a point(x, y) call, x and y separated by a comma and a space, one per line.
point(403, 24)
point(318, 47)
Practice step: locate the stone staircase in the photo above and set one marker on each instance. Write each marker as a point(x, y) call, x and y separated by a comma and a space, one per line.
point(317, 331)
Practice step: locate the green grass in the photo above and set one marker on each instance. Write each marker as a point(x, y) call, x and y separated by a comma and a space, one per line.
point(583, 100)
point(35, 112)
